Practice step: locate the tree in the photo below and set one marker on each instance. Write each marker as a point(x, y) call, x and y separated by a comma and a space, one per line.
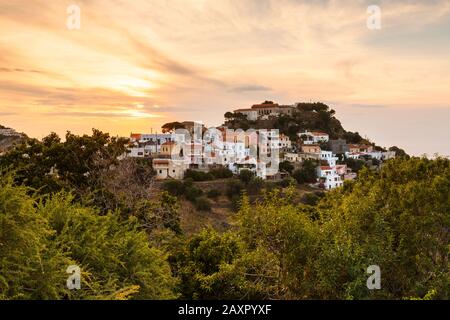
point(41, 237)
point(307, 173)
point(355, 164)
point(172, 126)
point(246, 176)
point(198, 263)
point(397, 219)
point(75, 164)
point(286, 166)
point(27, 252)
point(399, 152)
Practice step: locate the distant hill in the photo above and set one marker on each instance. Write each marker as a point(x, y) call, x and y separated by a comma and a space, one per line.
point(9, 137)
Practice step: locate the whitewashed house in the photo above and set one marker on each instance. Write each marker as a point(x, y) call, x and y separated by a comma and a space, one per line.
point(313, 137)
point(329, 157)
point(169, 169)
point(329, 177)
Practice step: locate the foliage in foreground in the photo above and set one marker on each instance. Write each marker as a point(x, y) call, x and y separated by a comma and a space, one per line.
point(398, 219)
point(38, 241)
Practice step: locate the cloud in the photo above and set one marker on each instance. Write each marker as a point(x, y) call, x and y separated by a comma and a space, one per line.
point(188, 56)
point(20, 70)
point(250, 88)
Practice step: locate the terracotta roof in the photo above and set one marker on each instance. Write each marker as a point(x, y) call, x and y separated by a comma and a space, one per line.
point(168, 143)
point(326, 168)
point(160, 161)
point(318, 133)
point(311, 145)
point(136, 136)
point(239, 110)
point(358, 146)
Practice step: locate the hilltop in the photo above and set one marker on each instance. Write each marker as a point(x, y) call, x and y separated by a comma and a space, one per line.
point(304, 116)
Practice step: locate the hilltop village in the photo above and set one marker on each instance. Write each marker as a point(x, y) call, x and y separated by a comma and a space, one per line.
point(272, 141)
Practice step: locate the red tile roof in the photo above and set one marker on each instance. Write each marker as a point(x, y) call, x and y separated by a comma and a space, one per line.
point(160, 161)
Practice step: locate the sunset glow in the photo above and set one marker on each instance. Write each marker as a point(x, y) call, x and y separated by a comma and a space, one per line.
point(135, 65)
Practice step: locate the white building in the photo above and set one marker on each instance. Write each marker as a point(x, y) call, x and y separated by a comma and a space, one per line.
point(388, 155)
point(375, 155)
point(136, 152)
point(329, 157)
point(9, 132)
point(251, 114)
point(292, 157)
point(169, 169)
point(285, 142)
point(329, 177)
point(265, 110)
point(313, 137)
point(157, 138)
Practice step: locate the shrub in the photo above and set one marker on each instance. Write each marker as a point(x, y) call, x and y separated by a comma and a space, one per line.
point(312, 198)
point(203, 204)
point(255, 185)
point(289, 181)
point(213, 194)
point(234, 188)
point(174, 187)
point(192, 193)
point(198, 175)
point(221, 173)
point(307, 174)
point(246, 176)
point(286, 166)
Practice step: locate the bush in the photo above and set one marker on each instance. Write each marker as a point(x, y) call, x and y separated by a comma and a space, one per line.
point(355, 164)
point(198, 175)
point(255, 185)
point(246, 176)
point(289, 181)
point(203, 204)
point(307, 174)
point(312, 198)
point(234, 188)
point(174, 187)
point(192, 193)
point(213, 194)
point(221, 173)
point(286, 166)
point(235, 203)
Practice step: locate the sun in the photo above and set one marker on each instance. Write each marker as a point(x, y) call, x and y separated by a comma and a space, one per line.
point(132, 86)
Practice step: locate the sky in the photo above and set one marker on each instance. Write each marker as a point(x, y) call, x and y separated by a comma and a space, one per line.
point(135, 65)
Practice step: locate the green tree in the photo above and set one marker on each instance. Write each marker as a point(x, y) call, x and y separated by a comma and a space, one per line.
point(286, 166)
point(307, 173)
point(246, 176)
point(198, 263)
point(40, 238)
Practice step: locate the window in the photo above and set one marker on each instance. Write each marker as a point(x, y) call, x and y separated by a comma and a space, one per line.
point(160, 171)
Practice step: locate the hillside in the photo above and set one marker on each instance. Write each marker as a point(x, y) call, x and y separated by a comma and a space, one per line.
point(307, 116)
point(223, 208)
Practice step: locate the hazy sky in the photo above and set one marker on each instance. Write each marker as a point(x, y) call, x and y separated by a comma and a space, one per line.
point(135, 65)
